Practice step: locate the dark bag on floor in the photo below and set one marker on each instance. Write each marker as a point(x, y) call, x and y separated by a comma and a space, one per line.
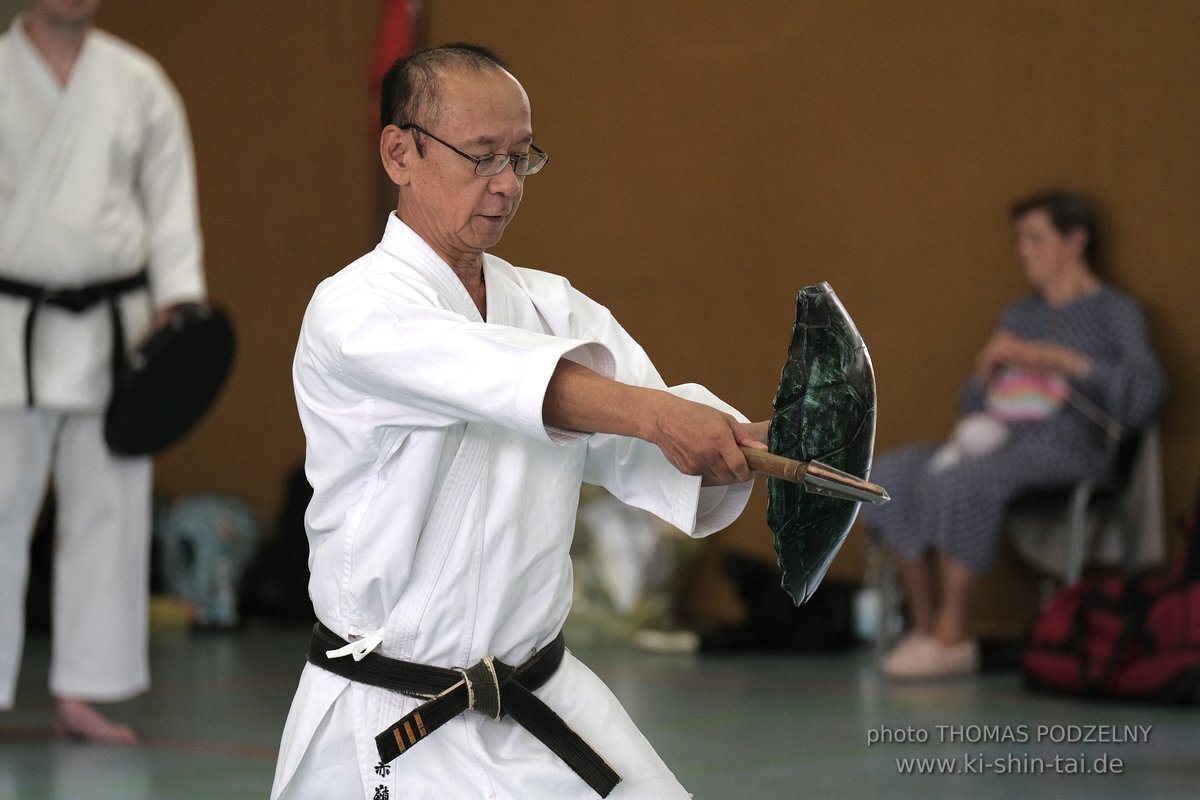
point(1124, 638)
point(773, 622)
point(275, 586)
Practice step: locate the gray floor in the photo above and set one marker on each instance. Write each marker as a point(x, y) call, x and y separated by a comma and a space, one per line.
point(762, 726)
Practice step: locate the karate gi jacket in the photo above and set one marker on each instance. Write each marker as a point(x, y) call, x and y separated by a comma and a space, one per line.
point(444, 508)
point(97, 180)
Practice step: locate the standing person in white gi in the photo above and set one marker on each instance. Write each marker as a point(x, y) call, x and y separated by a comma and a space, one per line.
point(453, 404)
point(98, 202)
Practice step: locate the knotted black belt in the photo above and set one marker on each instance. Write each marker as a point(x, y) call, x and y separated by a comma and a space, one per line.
point(490, 687)
point(76, 299)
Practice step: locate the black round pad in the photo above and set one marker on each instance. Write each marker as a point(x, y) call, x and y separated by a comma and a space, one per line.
point(170, 382)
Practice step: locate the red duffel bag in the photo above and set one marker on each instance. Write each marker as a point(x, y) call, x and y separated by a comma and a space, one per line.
point(1125, 638)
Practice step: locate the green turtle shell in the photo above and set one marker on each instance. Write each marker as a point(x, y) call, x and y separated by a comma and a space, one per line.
point(824, 410)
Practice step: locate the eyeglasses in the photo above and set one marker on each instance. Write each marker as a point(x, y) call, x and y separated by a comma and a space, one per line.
point(494, 163)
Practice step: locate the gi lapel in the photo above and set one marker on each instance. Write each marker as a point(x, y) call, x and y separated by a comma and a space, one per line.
point(51, 159)
point(445, 519)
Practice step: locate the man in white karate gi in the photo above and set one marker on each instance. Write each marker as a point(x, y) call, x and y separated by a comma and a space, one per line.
point(453, 404)
point(99, 237)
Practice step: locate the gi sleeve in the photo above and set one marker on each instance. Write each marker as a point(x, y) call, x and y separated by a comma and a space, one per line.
point(167, 183)
point(636, 471)
point(414, 365)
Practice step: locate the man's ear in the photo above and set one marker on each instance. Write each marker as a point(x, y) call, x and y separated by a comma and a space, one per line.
point(1078, 239)
point(395, 150)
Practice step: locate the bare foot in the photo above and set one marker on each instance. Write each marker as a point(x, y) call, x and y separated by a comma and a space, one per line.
point(78, 720)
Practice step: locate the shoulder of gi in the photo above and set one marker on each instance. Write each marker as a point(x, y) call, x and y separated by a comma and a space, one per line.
point(568, 311)
point(140, 76)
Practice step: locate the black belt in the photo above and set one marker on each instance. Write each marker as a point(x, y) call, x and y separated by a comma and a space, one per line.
point(76, 299)
point(490, 687)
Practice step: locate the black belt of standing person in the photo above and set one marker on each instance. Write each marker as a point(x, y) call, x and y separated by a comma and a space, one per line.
point(76, 299)
point(491, 687)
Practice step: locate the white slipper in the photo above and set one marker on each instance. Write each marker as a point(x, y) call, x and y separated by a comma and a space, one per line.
point(928, 659)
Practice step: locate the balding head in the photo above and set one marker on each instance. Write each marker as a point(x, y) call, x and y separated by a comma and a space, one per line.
point(411, 87)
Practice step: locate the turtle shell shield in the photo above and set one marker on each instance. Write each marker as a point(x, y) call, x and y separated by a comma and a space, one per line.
point(824, 410)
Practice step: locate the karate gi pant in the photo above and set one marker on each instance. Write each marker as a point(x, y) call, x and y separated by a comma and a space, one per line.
point(102, 554)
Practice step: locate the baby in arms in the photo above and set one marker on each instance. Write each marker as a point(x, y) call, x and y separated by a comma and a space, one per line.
point(1013, 395)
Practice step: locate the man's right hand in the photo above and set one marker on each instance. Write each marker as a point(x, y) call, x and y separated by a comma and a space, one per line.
point(700, 440)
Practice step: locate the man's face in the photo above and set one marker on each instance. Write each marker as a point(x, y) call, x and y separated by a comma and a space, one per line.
point(1043, 251)
point(66, 13)
point(459, 213)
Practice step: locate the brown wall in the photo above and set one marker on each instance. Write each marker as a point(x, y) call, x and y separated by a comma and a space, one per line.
point(709, 159)
point(277, 96)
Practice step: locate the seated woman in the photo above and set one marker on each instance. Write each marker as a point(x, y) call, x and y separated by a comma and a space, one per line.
point(1069, 364)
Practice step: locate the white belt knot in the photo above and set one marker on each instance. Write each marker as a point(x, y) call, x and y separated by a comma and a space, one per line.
point(361, 642)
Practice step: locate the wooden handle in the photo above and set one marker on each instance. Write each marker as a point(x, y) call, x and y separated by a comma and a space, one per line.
point(789, 469)
point(817, 478)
